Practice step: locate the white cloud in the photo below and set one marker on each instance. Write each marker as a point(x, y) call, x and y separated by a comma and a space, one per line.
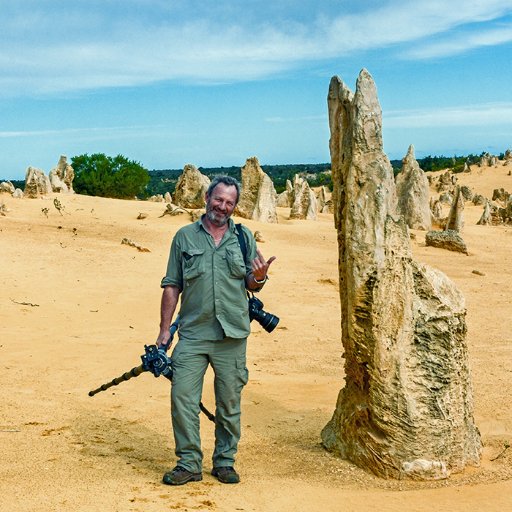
point(474, 115)
point(87, 45)
point(463, 43)
point(91, 133)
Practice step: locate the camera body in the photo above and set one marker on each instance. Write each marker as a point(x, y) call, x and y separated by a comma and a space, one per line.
point(256, 312)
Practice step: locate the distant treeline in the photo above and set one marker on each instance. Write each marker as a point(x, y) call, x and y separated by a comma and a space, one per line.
point(437, 163)
point(164, 180)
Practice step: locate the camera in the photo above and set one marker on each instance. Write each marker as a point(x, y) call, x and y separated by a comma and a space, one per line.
point(267, 320)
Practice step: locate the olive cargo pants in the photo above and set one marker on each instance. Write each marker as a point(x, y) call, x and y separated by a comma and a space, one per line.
point(190, 359)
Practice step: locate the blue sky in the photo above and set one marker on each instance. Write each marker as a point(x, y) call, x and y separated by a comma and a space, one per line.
point(214, 82)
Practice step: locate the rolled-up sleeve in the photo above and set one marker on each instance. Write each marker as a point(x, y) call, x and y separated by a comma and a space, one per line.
point(174, 274)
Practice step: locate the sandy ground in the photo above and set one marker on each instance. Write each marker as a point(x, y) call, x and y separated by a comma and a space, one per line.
point(78, 306)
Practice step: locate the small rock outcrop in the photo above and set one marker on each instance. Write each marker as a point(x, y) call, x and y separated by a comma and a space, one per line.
point(466, 192)
point(61, 176)
point(444, 182)
point(506, 213)
point(490, 216)
point(448, 239)
point(485, 160)
point(6, 187)
point(304, 204)
point(478, 200)
point(36, 183)
point(438, 217)
point(446, 198)
point(412, 189)
point(285, 198)
point(157, 198)
point(191, 188)
point(500, 194)
point(406, 410)
point(258, 199)
point(455, 220)
point(324, 200)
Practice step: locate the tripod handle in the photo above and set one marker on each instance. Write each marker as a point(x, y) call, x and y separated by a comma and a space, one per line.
point(173, 328)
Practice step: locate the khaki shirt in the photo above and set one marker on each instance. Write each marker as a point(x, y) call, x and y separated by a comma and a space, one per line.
point(212, 282)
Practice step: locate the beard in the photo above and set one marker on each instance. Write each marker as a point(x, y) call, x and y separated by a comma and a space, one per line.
point(216, 218)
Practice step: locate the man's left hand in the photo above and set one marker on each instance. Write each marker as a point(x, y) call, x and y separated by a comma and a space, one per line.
point(260, 266)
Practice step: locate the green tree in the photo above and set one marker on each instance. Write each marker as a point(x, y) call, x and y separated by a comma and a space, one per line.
point(101, 175)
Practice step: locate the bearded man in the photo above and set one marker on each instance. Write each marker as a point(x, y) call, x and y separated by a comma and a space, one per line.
point(208, 271)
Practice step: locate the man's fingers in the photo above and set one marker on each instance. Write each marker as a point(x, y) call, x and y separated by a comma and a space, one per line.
point(262, 258)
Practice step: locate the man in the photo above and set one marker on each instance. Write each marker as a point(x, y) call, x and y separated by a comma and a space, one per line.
point(207, 268)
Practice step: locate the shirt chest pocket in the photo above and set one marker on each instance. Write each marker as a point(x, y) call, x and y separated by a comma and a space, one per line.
point(193, 263)
point(236, 264)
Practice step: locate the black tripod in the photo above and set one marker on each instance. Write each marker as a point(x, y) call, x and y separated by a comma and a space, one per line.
point(156, 361)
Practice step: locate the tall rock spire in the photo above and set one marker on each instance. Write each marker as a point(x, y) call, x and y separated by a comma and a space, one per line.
point(406, 409)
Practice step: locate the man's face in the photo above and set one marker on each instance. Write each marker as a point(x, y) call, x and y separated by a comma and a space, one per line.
point(220, 204)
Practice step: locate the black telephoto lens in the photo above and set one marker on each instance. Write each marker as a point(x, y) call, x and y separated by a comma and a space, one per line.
point(268, 321)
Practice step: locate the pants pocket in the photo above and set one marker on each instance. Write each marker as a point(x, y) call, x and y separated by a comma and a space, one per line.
point(242, 370)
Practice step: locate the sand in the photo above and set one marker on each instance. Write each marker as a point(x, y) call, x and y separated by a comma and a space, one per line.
point(78, 307)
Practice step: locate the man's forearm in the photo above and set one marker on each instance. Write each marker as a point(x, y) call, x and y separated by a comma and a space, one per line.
point(168, 305)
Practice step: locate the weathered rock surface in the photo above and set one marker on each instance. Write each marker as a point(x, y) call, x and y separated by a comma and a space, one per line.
point(304, 204)
point(36, 183)
point(406, 409)
point(258, 199)
point(61, 176)
point(412, 189)
point(191, 188)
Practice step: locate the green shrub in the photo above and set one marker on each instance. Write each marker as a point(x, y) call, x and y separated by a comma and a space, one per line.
point(104, 176)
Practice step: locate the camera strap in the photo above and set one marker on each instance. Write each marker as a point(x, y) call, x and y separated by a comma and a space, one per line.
point(241, 241)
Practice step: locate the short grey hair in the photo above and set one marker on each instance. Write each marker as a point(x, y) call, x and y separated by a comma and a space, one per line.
point(225, 180)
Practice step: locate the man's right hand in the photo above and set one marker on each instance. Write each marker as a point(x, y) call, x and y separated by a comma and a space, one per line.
point(164, 340)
